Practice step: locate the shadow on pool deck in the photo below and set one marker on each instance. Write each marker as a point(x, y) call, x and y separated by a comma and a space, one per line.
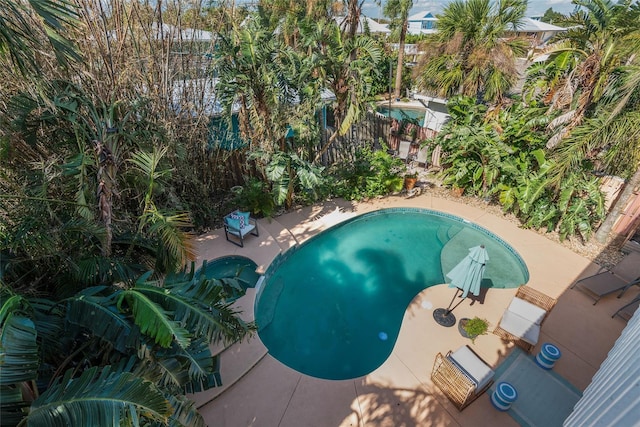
point(260, 391)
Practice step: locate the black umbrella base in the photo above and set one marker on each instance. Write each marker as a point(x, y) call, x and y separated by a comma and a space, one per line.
point(442, 318)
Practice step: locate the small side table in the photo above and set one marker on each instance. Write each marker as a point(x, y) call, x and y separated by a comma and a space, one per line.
point(548, 356)
point(503, 396)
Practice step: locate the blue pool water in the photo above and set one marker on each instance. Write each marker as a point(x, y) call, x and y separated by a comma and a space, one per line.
point(406, 114)
point(232, 266)
point(332, 307)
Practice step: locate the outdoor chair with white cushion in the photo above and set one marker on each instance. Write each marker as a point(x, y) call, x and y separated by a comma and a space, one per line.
point(403, 150)
point(422, 157)
point(237, 225)
point(522, 320)
point(462, 376)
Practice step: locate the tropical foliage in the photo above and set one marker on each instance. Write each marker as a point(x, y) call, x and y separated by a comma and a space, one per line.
point(499, 155)
point(119, 354)
point(583, 66)
point(375, 173)
point(34, 30)
point(108, 165)
point(471, 54)
point(590, 84)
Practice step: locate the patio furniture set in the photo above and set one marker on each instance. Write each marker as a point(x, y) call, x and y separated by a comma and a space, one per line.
point(463, 376)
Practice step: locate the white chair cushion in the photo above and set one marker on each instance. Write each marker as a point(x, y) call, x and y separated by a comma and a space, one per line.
point(529, 311)
point(474, 367)
point(520, 327)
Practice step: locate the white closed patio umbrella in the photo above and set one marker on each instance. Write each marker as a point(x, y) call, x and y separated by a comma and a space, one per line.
point(466, 276)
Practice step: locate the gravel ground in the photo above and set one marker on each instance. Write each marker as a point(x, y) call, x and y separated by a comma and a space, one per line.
point(602, 254)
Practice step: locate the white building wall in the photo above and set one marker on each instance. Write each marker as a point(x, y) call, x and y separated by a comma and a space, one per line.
point(414, 27)
point(613, 397)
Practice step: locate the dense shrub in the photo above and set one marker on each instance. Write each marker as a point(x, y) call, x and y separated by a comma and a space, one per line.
point(374, 173)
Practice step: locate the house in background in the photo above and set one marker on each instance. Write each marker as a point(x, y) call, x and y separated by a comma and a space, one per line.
point(436, 114)
point(422, 23)
point(537, 32)
point(364, 24)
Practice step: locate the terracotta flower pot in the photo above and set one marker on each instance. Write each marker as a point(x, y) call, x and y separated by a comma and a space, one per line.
point(410, 182)
point(457, 191)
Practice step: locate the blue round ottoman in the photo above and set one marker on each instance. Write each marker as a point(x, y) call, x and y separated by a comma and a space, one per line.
point(503, 396)
point(548, 356)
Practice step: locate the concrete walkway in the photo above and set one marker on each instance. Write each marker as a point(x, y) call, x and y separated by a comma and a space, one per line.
point(260, 391)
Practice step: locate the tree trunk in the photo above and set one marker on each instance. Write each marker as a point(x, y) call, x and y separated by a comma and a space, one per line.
point(106, 186)
point(353, 10)
point(326, 146)
point(604, 231)
point(403, 36)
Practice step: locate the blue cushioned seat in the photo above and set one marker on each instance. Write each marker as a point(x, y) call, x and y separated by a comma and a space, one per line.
point(238, 224)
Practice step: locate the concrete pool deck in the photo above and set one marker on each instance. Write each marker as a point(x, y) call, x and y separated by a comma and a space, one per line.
point(260, 391)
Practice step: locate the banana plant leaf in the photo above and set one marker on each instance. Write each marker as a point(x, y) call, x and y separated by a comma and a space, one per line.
point(99, 397)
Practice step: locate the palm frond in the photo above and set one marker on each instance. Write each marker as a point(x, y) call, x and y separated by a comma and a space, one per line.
point(48, 318)
point(196, 360)
point(172, 372)
point(174, 242)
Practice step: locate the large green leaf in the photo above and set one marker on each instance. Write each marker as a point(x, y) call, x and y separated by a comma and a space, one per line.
point(185, 412)
point(153, 320)
point(203, 315)
point(12, 406)
point(99, 398)
point(19, 356)
point(48, 317)
point(100, 316)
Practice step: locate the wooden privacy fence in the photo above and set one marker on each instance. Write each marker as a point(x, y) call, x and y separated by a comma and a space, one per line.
point(376, 131)
point(227, 167)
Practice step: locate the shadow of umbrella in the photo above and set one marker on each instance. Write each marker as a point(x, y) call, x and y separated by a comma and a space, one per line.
point(466, 276)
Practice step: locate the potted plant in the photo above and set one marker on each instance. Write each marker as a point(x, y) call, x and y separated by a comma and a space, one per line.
point(410, 179)
point(457, 191)
point(472, 328)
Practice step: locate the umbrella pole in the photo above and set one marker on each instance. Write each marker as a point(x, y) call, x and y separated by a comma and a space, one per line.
point(449, 309)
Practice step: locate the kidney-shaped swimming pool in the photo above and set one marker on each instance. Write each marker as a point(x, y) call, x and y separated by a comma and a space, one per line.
point(332, 307)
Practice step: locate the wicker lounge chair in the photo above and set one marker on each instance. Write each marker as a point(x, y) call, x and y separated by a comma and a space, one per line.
point(237, 225)
point(620, 278)
point(522, 320)
point(462, 376)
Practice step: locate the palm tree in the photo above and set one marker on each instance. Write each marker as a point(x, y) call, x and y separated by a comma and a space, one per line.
point(398, 12)
point(623, 145)
point(471, 53)
point(590, 83)
point(346, 67)
point(583, 63)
